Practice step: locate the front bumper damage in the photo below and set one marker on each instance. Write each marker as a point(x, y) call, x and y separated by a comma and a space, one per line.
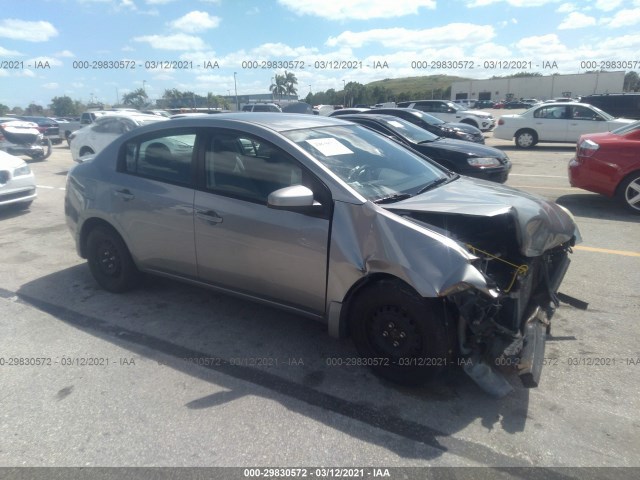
point(508, 331)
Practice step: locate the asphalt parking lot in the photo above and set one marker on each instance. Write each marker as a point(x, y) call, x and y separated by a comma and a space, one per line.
point(173, 375)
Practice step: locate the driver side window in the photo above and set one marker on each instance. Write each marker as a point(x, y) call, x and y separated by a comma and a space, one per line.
point(247, 167)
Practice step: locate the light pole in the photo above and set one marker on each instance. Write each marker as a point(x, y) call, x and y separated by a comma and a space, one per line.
point(235, 85)
point(272, 90)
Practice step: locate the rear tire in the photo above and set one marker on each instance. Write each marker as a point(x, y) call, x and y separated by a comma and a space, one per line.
point(526, 138)
point(399, 334)
point(110, 261)
point(629, 192)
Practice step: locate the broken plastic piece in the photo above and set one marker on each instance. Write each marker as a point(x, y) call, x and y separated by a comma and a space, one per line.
point(488, 379)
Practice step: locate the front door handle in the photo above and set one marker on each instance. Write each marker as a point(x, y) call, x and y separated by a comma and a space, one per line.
point(124, 194)
point(209, 216)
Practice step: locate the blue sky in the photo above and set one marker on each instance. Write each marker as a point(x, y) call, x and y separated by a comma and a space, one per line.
point(64, 33)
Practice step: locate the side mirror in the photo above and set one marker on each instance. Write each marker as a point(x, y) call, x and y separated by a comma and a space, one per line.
point(295, 197)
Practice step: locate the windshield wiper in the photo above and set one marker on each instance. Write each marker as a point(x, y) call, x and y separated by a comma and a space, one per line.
point(396, 197)
point(435, 183)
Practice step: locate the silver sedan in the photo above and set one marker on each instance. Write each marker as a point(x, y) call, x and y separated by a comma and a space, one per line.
point(420, 266)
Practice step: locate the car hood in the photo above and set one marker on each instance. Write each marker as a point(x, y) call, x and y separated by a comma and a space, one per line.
point(477, 113)
point(10, 162)
point(538, 224)
point(469, 148)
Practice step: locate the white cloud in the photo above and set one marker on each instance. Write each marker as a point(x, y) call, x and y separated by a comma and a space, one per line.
point(159, 2)
point(566, 8)
point(50, 86)
point(357, 9)
point(464, 33)
point(179, 41)
point(9, 53)
point(542, 46)
point(513, 3)
point(490, 51)
point(576, 20)
point(65, 53)
point(267, 49)
point(15, 29)
point(607, 5)
point(623, 18)
point(195, 21)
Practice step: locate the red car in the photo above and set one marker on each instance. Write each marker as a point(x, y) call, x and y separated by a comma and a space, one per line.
point(609, 163)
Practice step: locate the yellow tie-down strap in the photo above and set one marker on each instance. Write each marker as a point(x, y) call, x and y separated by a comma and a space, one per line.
point(518, 269)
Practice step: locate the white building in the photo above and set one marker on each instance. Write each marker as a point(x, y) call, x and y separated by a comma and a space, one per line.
point(542, 88)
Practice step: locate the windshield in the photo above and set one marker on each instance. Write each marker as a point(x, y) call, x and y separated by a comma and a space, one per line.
point(632, 127)
point(408, 130)
point(602, 113)
point(455, 106)
point(376, 167)
point(430, 119)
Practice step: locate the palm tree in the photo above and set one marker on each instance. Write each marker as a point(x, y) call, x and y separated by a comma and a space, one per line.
point(278, 87)
point(290, 81)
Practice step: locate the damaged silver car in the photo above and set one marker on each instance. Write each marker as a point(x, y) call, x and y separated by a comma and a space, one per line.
point(423, 268)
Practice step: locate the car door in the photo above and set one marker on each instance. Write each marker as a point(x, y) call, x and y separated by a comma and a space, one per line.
point(152, 200)
point(584, 120)
point(241, 243)
point(550, 123)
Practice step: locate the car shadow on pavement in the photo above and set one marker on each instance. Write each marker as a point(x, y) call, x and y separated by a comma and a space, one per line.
point(12, 211)
point(593, 205)
point(216, 338)
point(547, 148)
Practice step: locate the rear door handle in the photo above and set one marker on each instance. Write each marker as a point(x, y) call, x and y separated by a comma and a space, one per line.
point(209, 216)
point(124, 194)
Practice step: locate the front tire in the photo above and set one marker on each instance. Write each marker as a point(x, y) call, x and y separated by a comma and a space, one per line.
point(400, 335)
point(110, 261)
point(629, 192)
point(526, 138)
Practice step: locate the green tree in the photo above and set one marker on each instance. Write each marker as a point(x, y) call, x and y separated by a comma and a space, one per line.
point(3, 109)
point(137, 99)
point(63, 106)
point(631, 82)
point(34, 109)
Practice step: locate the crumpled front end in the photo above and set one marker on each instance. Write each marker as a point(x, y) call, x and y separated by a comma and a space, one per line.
point(507, 330)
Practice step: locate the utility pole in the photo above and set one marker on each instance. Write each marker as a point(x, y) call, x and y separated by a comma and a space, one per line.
point(236, 88)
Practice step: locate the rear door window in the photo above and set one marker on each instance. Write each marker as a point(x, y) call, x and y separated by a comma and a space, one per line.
point(168, 157)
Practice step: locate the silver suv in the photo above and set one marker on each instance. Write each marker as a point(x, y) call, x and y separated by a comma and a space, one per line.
point(452, 112)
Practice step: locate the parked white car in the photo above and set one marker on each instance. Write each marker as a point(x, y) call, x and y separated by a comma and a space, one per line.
point(93, 138)
point(17, 183)
point(555, 122)
point(452, 112)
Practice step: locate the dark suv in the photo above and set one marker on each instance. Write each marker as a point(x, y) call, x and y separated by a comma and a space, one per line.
point(625, 105)
point(47, 126)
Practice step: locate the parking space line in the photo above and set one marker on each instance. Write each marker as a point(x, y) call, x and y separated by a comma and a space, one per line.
point(566, 189)
point(626, 253)
point(543, 176)
point(48, 187)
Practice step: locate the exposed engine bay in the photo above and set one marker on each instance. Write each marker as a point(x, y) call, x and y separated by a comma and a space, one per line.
point(509, 329)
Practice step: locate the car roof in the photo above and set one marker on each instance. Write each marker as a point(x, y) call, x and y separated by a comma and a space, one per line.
point(129, 115)
point(278, 123)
